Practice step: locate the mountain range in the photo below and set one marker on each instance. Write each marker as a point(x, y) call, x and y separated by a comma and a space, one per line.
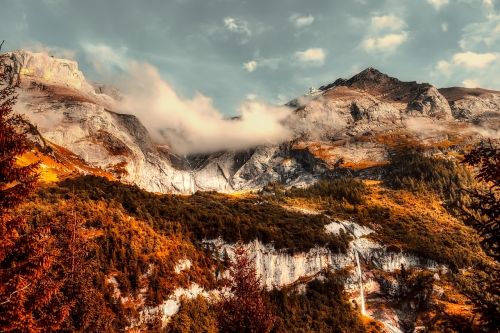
point(349, 219)
point(345, 123)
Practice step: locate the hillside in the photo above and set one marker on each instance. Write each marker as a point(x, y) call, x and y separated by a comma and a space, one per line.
point(296, 234)
point(353, 224)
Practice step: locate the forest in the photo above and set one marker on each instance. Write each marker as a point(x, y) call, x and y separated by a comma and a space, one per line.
point(87, 254)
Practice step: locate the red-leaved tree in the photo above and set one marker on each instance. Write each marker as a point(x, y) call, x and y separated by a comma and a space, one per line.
point(244, 308)
point(26, 291)
point(483, 212)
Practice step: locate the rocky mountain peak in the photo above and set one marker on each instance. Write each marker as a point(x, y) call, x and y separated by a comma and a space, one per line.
point(422, 99)
point(370, 75)
point(42, 68)
point(80, 117)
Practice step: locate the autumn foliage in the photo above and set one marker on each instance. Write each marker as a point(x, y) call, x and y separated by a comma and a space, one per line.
point(27, 293)
point(483, 212)
point(244, 308)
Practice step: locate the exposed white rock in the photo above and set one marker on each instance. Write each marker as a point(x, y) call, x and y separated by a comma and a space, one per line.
point(43, 68)
point(430, 103)
point(182, 265)
point(349, 227)
point(278, 268)
point(471, 107)
point(171, 305)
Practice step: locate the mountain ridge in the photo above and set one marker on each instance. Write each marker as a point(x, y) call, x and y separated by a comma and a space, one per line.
point(353, 206)
point(344, 122)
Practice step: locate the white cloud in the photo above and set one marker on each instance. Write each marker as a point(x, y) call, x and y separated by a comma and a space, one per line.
point(236, 26)
point(301, 21)
point(385, 34)
point(251, 97)
point(105, 58)
point(195, 125)
point(444, 27)
point(312, 56)
point(488, 4)
point(426, 128)
point(461, 66)
point(250, 66)
point(470, 83)
point(438, 4)
point(386, 43)
point(387, 22)
point(444, 67)
point(474, 60)
point(481, 34)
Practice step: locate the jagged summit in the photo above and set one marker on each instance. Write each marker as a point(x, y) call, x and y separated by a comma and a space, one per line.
point(377, 83)
point(369, 76)
point(420, 98)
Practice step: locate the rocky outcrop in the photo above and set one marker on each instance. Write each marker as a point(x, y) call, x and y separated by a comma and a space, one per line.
point(420, 98)
point(430, 103)
point(31, 67)
point(473, 104)
point(279, 268)
point(334, 124)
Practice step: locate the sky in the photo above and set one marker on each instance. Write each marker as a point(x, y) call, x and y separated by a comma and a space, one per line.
point(232, 51)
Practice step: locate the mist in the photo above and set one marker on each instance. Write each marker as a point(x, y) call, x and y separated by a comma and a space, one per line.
point(195, 125)
point(428, 128)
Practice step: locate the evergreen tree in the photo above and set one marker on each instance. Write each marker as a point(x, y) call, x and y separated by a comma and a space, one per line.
point(27, 293)
point(483, 212)
point(244, 308)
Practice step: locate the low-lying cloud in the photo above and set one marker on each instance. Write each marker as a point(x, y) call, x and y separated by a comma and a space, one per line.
point(427, 128)
point(194, 125)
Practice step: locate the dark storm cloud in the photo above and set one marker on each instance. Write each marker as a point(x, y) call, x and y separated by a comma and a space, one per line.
point(202, 46)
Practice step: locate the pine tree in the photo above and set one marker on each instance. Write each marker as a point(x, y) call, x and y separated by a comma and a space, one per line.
point(78, 270)
point(483, 212)
point(244, 308)
point(26, 291)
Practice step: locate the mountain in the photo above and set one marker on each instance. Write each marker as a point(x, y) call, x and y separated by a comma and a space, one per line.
point(351, 226)
point(345, 121)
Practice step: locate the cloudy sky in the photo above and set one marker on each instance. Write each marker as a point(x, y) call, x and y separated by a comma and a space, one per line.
point(270, 50)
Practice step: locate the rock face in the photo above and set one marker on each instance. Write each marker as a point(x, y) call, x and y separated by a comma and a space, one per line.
point(338, 123)
point(279, 268)
point(420, 98)
point(39, 67)
point(472, 103)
